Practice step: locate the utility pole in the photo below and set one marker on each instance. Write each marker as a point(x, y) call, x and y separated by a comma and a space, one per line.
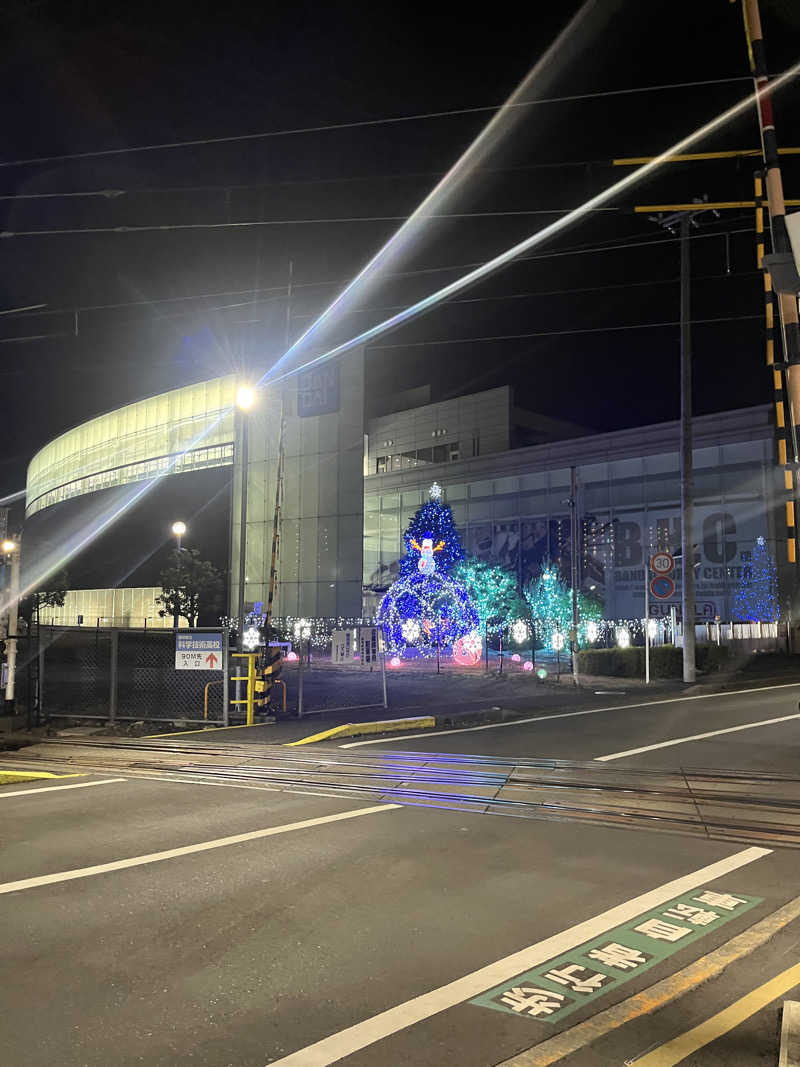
point(683, 221)
point(687, 547)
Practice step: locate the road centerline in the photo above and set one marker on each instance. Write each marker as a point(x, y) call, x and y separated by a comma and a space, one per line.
point(569, 715)
point(695, 737)
point(188, 850)
point(361, 1035)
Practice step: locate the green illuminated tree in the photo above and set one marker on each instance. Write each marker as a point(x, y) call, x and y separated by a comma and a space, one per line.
point(550, 601)
point(493, 591)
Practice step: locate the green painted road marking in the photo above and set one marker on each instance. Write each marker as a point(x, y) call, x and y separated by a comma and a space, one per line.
point(557, 988)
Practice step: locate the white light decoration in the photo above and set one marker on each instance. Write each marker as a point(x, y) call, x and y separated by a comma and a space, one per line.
point(519, 631)
point(410, 630)
point(251, 638)
point(302, 630)
point(435, 491)
point(652, 628)
point(557, 640)
point(624, 637)
point(592, 631)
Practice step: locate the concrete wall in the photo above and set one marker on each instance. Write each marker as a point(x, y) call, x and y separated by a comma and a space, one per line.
point(321, 549)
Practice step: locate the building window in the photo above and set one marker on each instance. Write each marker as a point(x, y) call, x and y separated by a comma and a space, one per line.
point(455, 451)
point(397, 462)
point(382, 465)
point(424, 455)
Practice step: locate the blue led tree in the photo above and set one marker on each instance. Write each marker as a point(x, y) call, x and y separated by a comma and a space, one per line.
point(426, 608)
point(756, 599)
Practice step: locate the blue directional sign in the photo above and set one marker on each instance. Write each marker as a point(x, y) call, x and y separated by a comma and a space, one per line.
point(198, 652)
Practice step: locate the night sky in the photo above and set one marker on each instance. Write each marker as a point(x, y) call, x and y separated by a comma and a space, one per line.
point(82, 77)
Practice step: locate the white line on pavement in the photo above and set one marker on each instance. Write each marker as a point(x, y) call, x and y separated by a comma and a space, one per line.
point(694, 737)
point(188, 850)
point(568, 715)
point(361, 1035)
point(53, 788)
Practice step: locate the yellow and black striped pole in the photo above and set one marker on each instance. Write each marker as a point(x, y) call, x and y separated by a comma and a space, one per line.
point(777, 369)
point(786, 367)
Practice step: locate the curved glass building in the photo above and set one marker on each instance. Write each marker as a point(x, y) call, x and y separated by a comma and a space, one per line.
point(183, 430)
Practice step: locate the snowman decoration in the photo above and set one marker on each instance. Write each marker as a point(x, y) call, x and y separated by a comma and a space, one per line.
point(426, 564)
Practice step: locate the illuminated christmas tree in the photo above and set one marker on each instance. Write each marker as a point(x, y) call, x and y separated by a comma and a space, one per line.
point(494, 593)
point(426, 610)
point(756, 599)
point(550, 601)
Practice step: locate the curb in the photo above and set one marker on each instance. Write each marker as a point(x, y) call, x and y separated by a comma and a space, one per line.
point(356, 729)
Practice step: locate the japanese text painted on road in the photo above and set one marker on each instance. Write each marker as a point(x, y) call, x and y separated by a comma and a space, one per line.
point(198, 652)
point(566, 983)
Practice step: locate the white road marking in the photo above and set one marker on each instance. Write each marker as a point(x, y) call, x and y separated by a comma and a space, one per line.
point(188, 850)
point(568, 715)
point(361, 1035)
point(694, 737)
point(53, 788)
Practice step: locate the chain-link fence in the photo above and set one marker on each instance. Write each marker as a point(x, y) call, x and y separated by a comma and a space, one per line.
point(126, 674)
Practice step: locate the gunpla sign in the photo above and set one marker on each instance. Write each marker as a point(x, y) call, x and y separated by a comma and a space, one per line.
point(198, 652)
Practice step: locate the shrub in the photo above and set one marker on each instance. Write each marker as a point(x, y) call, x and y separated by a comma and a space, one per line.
point(666, 661)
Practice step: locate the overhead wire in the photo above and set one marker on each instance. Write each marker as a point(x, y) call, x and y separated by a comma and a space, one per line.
point(257, 223)
point(512, 253)
point(364, 123)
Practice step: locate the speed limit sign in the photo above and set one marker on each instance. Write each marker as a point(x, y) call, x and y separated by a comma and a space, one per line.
point(662, 562)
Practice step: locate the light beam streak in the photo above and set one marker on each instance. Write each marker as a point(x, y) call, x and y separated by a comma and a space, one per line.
point(537, 238)
point(498, 127)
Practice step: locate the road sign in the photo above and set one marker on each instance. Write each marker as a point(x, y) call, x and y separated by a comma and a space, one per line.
point(662, 562)
point(662, 587)
point(198, 652)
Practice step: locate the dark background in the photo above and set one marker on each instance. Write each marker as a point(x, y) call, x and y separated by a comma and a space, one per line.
point(86, 76)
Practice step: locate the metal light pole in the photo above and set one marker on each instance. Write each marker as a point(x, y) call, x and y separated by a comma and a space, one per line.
point(179, 529)
point(12, 549)
point(573, 525)
point(245, 398)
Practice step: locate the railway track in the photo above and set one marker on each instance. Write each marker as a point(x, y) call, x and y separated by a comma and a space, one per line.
point(727, 805)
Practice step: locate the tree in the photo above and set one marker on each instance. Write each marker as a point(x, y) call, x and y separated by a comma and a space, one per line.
point(51, 595)
point(426, 611)
point(188, 585)
point(432, 520)
point(550, 601)
point(493, 591)
point(756, 599)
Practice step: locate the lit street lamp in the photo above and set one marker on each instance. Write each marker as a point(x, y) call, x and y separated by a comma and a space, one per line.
point(179, 529)
point(11, 552)
point(245, 399)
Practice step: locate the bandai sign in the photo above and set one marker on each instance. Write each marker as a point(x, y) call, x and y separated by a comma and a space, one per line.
point(318, 391)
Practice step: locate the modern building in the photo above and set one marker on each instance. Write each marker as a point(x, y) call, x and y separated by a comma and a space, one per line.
point(104, 494)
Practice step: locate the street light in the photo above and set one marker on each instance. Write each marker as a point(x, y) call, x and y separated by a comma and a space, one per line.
point(179, 529)
point(245, 399)
point(11, 548)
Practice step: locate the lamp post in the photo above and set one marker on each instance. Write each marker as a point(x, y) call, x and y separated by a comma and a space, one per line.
point(245, 399)
point(179, 529)
point(11, 551)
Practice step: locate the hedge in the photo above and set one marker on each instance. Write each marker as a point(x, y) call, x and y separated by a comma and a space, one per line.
point(666, 661)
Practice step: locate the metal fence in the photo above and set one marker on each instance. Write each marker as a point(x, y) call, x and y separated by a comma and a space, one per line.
point(123, 674)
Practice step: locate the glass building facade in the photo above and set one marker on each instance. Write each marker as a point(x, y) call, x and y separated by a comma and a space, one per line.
point(182, 430)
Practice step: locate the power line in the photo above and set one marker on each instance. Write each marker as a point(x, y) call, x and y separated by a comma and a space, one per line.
point(562, 333)
point(363, 123)
point(584, 249)
point(249, 223)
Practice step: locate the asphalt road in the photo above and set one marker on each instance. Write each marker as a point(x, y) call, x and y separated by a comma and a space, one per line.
point(162, 922)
